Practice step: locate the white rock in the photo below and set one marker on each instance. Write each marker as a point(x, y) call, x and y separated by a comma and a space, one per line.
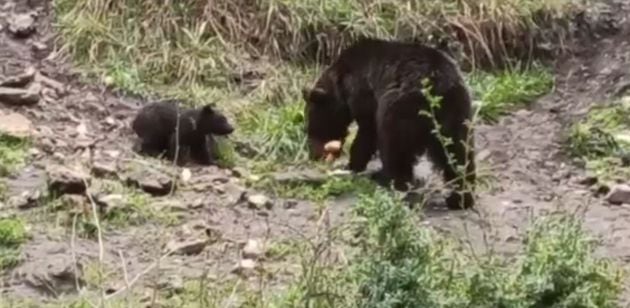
point(259, 201)
point(253, 249)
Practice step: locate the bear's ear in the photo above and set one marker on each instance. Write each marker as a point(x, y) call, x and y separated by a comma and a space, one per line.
point(314, 95)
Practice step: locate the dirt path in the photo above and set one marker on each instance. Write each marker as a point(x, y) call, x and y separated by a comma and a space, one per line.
point(524, 153)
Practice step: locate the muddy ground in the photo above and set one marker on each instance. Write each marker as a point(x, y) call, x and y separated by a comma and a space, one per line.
point(76, 122)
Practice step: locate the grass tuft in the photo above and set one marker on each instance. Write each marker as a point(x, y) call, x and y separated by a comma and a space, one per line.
point(601, 140)
point(12, 154)
point(502, 92)
point(12, 235)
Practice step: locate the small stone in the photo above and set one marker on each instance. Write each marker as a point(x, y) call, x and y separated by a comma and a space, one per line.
point(619, 194)
point(20, 97)
point(104, 169)
point(20, 80)
point(187, 247)
point(25, 200)
point(109, 203)
point(63, 180)
point(56, 274)
point(588, 180)
point(81, 129)
point(39, 46)
point(110, 121)
point(16, 125)
point(253, 249)
point(290, 204)
point(22, 25)
point(186, 175)
point(245, 267)
point(152, 182)
point(172, 283)
point(50, 83)
point(259, 201)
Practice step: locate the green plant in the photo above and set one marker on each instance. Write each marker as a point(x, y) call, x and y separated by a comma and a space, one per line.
point(601, 140)
point(499, 93)
point(12, 235)
point(403, 266)
point(12, 153)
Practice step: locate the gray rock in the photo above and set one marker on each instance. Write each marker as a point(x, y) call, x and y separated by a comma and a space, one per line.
point(187, 247)
point(22, 25)
point(619, 194)
point(25, 200)
point(587, 180)
point(63, 180)
point(20, 80)
point(245, 268)
point(104, 169)
point(16, 125)
point(20, 97)
point(259, 201)
point(152, 182)
point(55, 275)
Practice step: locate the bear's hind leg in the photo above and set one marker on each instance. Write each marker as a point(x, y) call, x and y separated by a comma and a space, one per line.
point(398, 153)
point(462, 155)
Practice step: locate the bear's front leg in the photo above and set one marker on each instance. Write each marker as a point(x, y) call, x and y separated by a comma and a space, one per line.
point(363, 147)
point(199, 151)
point(181, 149)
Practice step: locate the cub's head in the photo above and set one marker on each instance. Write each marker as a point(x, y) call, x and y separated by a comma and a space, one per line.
point(213, 122)
point(326, 119)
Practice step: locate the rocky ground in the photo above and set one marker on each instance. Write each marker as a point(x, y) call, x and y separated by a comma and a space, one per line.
point(82, 141)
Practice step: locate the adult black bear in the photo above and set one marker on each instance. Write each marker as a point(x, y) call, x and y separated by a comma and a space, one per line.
point(379, 84)
point(156, 125)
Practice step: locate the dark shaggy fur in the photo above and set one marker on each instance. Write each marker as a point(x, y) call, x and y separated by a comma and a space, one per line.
point(155, 124)
point(378, 84)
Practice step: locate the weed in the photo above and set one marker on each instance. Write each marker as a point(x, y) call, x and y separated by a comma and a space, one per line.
point(12, 235)
point(403, 266)
point(319, 191)
point(12, 153)
point(601, 141)
point(500, 93)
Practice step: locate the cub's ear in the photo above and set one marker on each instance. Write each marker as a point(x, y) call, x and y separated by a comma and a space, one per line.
point(208, 109)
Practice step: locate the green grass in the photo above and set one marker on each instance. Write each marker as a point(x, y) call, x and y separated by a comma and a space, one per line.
point(504, 91)
point(12, 154)
point(177, 51)
point(12, 235)
point(601, 140)
point(330, 188)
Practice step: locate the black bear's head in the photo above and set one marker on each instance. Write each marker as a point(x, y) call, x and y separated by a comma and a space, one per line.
point(326, 119)
point(213, 122)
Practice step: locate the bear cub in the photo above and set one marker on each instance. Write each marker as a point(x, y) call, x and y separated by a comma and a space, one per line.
point(379, 84)
point(156, 123)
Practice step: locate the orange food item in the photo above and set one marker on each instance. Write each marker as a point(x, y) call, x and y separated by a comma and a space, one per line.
point(333, 146)
point(331, 150)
